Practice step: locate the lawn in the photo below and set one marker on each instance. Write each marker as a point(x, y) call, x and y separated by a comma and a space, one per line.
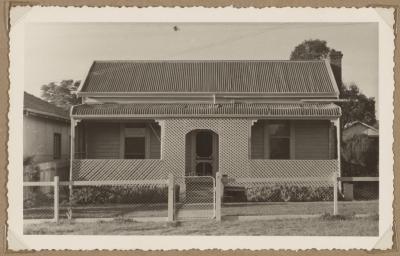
point(330, 226)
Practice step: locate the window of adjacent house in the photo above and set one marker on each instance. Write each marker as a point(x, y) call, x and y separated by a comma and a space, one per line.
point(279, 140)
point(57, 146)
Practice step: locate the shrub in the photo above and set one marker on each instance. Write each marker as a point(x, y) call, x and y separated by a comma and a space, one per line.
point(120, 194)
point(31, 170)
point(34, 197)
point(286, 193)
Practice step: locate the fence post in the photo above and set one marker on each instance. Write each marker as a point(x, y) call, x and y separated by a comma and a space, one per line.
point(218, 195)
point(56, 198)
point(171, 197)
point(335, 194)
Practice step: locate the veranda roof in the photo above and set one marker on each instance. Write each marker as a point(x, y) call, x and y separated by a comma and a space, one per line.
point(311, 77)
point(266, 110)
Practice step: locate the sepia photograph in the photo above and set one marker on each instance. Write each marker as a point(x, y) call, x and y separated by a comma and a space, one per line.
point(206, 129)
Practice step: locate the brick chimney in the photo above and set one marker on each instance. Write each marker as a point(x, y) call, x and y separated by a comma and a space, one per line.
point(335, 59)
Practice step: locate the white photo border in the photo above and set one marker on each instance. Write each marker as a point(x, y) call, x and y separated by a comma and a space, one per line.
point(21, 16)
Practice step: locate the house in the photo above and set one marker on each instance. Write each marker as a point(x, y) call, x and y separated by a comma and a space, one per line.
point(46, 138)
point(358, 128)
point(243, 118)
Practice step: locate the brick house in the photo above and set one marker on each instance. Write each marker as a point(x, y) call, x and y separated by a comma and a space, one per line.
point(147, 119)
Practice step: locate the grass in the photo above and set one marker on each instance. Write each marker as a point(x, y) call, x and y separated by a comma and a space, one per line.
point(322, 226)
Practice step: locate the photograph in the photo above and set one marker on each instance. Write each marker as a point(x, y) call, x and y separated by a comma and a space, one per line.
point(201, 129)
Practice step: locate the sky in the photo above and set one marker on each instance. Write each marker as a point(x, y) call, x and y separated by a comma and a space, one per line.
point(59, 51)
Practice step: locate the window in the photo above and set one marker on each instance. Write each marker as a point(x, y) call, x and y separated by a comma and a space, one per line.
point(135, 141)
point(279, 134)
point(135, 148)
point(140, 140)
point(57, 146)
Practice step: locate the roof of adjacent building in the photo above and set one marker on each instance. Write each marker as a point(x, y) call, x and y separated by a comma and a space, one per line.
point(211, 76)
point(35, 105)
point(143, 110)
point(369, 130)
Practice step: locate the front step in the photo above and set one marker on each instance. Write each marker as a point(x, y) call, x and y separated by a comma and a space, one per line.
point(199, 196)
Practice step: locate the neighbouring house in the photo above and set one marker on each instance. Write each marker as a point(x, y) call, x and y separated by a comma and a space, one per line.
point(243, 118)
point(46, 140)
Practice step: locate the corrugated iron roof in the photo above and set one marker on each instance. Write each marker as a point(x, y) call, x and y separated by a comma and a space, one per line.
point(39, 106)
point(311, 110)
point(249, 76)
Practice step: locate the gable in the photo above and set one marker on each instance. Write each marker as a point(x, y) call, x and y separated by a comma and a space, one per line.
point(241, 76)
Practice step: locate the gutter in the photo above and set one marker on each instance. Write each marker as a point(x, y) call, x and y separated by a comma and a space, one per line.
point(46, 114)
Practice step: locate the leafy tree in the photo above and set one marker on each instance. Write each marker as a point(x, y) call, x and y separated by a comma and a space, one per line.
point(360, 156)
point(60, 94)
point(359, 107)
point(313, 49)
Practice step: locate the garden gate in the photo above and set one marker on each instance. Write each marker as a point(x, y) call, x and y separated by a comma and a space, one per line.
point(195, 197)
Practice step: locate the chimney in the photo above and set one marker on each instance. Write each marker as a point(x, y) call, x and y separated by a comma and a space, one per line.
point(335, 59)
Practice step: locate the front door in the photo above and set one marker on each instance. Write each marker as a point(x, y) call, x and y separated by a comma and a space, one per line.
point(204, 153)
point(204, 156)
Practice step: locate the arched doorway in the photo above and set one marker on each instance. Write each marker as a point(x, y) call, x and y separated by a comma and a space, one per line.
point(201, 153)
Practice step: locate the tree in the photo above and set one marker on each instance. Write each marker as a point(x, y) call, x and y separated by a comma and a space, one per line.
point(359, 107)
point(313, 49)
point(360, 156)
point(61, 94)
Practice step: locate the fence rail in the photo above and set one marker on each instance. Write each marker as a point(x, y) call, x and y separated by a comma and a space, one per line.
point(349, 179)
point(206, 195)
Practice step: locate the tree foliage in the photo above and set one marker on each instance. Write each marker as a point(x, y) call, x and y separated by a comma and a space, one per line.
point(313, 49)
point(360, 156)
point(61, 94)
point(359, 107)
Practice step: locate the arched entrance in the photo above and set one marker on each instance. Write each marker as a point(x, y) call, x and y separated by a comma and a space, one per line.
point(201, 153)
